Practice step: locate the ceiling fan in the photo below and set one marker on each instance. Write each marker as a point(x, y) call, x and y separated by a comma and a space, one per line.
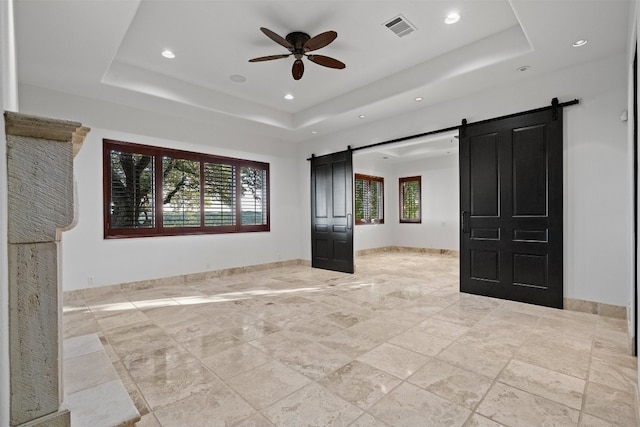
point(298, 44)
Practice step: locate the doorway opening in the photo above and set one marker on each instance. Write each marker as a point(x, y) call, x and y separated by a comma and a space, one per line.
point(434, 159)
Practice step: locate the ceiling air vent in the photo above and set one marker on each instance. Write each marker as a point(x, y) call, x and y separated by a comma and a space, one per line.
point(400, 26)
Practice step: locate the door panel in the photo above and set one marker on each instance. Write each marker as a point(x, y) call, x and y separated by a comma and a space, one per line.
point(529, 172)
point(339, 186)
point(332, 212)
point(485, 234)
point(320, 191)
point(511, 202)
point(484, 176)
point(530, 270)
point(485, 265)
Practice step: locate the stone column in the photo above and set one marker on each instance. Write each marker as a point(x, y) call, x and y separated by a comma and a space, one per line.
point(40, 194)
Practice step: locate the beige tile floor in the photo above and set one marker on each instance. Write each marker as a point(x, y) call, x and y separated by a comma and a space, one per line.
point(395, 344)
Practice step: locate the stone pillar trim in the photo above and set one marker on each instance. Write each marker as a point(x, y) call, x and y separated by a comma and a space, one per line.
point(40, 201)
point(18, 124)
point(78, 138)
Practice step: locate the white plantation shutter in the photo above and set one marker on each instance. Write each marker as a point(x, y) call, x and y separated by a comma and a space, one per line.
point(369, 199)
point(254, 196)
point(220, 194)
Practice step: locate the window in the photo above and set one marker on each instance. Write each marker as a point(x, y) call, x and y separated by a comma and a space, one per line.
point(410, 200)
point(152, 191)
point(369, 203)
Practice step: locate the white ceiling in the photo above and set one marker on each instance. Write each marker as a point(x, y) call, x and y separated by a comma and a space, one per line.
point(110, 49)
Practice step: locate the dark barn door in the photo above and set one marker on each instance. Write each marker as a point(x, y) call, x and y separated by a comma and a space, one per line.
point(332, 212)
point(511, 203)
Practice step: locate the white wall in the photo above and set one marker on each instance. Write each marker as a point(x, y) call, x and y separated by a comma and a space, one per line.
point(596, 171)
point(89, 260)
point(8, 102)
point(597, 198)
point(440, 204)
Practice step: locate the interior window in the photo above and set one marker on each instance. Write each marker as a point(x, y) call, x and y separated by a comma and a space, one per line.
point(410, 199)
point(369, 199)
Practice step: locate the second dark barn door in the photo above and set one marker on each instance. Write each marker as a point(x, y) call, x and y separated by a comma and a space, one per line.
point(511, 203)
point(332, 212)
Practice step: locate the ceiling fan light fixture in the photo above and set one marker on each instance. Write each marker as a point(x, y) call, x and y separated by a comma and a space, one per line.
point(168, 54)
point(452, 18)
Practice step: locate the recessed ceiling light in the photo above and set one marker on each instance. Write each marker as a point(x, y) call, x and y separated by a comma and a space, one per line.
point(418, 98)
point(362, 116)
point(452, 18)
point(315, 132)
point(168, 54)
point(580, 42)
point(288, 97)
point(523, 68)
point(238, 78)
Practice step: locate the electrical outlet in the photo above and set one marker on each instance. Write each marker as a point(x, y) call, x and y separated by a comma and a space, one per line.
point(90, 280)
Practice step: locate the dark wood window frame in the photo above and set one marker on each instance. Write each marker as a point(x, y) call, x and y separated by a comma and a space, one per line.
point(401, 192)
point(158, 228)
point(379, 218)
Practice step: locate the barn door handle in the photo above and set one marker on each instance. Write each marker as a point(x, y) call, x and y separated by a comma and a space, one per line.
point(464, 221)
point(349, 218)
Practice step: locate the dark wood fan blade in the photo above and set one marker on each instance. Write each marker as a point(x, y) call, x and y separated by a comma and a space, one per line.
point(298, 69)
point(276, 38)
point(269, 58)
point(321, 40)
point(326, 61)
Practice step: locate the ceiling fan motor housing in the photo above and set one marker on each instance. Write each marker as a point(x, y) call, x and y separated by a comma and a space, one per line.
point(297, 39)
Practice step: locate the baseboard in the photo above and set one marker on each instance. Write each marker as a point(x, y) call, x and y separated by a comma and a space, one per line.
point(599, 308)
point(88, 293)
point(432, 251)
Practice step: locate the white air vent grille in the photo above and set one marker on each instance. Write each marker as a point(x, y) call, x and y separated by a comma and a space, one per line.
point(400, 26)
